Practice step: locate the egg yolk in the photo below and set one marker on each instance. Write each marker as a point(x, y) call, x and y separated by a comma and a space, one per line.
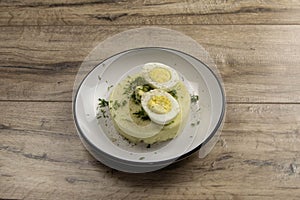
point(159, 104)
point(160, 75)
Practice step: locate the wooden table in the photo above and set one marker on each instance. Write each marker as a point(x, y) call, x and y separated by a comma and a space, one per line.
point(256, 46)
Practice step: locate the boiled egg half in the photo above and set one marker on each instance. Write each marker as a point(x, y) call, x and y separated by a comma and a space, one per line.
point(160, 106)
point(160, 76)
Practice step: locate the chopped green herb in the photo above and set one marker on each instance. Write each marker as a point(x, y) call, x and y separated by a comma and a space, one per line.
point(99, 78)
point(194, 98)
point(146, 88)
point(135, 99)
point(102, 103)
point(116, 105)
point(133, 96)
point(138, 81)
point(173, 93)
point(124, 102)
point(132, 85)
point(139, 91)
point(141, 114)
point(108, 88)
point(169, 123)
point(141, 158)
point(194, 124)
point(104, 115)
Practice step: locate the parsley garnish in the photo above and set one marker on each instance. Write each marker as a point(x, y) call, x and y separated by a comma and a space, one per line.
point(194, 98)
point(116, 105)
point(124, 102)
point(132, 85)
point(102, 103)
point(141, 114)
point(169, 123)
point(173, 93)
point(104, 113)
point(108, 88)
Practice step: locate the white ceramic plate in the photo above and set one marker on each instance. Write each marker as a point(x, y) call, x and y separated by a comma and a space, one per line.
point(217, 98)
point(102, 140)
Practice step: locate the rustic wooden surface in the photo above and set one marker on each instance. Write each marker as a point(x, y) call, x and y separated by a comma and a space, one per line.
point(256, 46)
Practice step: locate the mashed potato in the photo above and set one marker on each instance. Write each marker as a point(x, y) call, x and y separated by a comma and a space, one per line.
point(132, 122)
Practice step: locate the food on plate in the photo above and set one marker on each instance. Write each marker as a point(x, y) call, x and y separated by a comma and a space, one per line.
point(160, 106)
point(150, 106)
point(160, 76)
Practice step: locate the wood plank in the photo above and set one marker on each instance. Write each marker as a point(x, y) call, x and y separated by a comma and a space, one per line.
point(257, 63)
point(257, 157)
point(150, 12)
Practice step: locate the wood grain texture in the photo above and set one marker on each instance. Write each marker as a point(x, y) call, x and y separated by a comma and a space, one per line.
point(255, 45)
point(257, 63)
point(259, 143)
point(135, 12)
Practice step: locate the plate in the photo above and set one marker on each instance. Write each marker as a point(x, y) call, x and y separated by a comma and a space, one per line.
point(106, 145)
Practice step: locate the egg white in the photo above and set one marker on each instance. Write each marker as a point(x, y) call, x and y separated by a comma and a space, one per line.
point(158, 118)
point(168, 85)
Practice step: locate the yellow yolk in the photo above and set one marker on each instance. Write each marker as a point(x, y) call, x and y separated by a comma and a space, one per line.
point(159, 104)
point(160, 75)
